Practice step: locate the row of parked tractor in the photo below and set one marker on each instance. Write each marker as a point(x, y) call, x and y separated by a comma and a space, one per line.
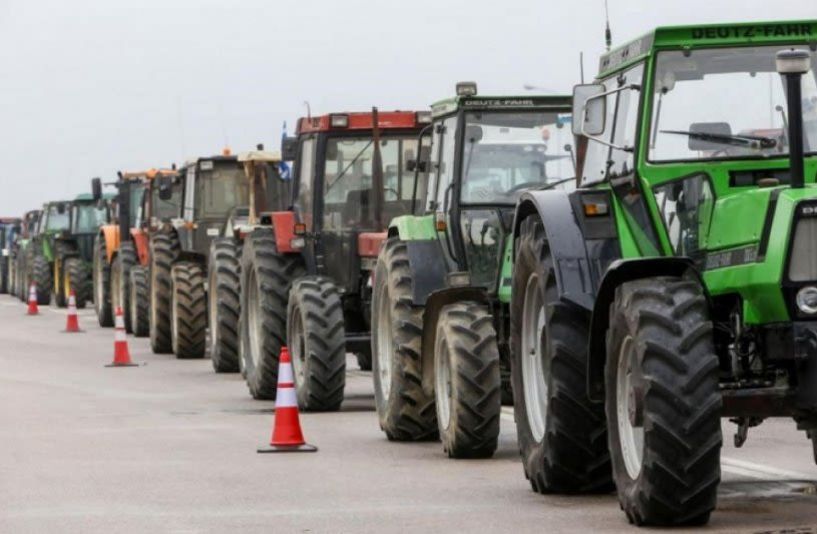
point(625, 265)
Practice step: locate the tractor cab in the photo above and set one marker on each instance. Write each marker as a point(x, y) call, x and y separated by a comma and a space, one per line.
point(268, 190)
point(338, 200)
point(213, 187)
point(486, 151)
point(87, 216)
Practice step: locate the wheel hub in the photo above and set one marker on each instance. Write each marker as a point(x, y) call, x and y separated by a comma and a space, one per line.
point(629, 409)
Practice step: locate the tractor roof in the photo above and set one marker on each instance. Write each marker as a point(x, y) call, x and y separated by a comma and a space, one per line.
point(260, 155)
point(708, 35)
point(88, 198)
point(148, 174)
point(225, 156)
point(386, 120)
point(9, 220)
point(495, 102)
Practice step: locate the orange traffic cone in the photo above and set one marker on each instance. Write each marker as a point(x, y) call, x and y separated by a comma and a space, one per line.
point(121, 354)
point(32, 300)
point(72, 320)
point(286, 432)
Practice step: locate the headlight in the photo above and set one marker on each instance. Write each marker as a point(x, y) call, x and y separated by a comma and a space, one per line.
point(807, 300)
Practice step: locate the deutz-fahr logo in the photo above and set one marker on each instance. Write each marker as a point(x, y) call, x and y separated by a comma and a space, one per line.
point(748, 32)
point(809, 211)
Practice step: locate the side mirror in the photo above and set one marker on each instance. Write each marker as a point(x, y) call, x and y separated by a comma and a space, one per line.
point(165, 187)
point(289, 148)
point(96, 188)
point(589, 109)
point(473, 133)
point(61, 208)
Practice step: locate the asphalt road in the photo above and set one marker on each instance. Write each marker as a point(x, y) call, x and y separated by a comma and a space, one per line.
point(171, 447)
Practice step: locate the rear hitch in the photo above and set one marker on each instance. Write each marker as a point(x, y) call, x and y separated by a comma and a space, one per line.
point(744, 424)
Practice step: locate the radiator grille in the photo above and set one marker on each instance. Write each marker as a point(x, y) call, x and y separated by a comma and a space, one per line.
point(803, 262)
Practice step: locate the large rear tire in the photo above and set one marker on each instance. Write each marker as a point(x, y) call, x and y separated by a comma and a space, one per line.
point(139, 301)
point(224, 303)
point(466, 381)
point(663, 402)
point(164, 249)
point(102, 283)
point(77, 278)
point(317, 343)
point(120, 281)
point(188, 310)
point(561, 434)
point(404, 410)
point(41, 275)
point(266, 278)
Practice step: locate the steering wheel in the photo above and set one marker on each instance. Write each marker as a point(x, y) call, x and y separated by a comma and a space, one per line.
point(525, 185)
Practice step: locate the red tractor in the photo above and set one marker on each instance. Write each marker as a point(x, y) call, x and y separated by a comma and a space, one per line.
point(306, 273)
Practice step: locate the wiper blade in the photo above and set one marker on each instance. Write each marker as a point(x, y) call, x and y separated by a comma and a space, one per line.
point(750, 141)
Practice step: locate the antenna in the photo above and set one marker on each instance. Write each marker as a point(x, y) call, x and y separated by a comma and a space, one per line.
point(608, 36)
point(581, 65)
point(308, 109)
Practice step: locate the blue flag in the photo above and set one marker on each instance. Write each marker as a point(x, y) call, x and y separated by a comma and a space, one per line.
point(283, 167)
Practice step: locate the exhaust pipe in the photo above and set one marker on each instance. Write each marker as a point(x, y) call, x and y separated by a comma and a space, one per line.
point(791, 65)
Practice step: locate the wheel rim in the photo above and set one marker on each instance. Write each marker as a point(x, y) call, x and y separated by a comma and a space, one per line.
point(66, 283)
point(442, 384)
point(534, 367)
point(297, 346)
point(630, 437)
point(385, 347)
point(98, 295)
point(174, 327)
point(116, 300)
point(213, 311)
point(253, 326)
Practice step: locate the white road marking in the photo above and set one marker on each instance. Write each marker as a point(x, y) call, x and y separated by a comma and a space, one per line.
point(731, 465)
point(760, 471)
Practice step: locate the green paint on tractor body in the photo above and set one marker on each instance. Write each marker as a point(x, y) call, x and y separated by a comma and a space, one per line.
point(733, 217)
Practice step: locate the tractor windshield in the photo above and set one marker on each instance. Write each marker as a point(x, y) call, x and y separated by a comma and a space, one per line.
point(505, 153)
point(348, 199)
point(88, 218)
point(56, 221)
point(725, 103)
point(166, 209)
point(220, 190)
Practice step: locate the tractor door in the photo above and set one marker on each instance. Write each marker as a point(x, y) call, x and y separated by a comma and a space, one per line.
point(443, 169)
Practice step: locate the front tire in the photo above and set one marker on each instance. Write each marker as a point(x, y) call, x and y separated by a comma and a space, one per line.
point(266, 278)
point(120, 281)
point(317, 343)
point(224, 305)
point(188, 310)
point(77, 279)
point(467, 384)
point(404, 410)
point(562, 435)
point(164, 249)
point(41, 275)
point(139, 301)
point(102, 283)
point(663, 403)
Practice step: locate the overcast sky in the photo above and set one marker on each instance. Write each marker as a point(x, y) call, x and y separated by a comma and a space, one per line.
point(91, 86)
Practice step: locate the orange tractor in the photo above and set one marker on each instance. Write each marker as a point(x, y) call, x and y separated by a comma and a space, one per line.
point(144, 200)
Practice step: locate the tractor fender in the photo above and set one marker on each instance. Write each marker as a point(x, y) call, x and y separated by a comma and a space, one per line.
point(433, 305)
point(571, 266)
point(619, 272)
point(110, 233)
point(141, 244)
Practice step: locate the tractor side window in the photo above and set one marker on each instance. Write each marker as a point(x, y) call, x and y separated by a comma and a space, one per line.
point(445, 165)
point(626, 122)
point(686, 207)
point(306, 167)
point(57, 220)
point(89, 217)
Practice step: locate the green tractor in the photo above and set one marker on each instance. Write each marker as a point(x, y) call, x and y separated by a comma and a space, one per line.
point(9, 228)
point(62, 251)
point(678, 284)
point(442, 281)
